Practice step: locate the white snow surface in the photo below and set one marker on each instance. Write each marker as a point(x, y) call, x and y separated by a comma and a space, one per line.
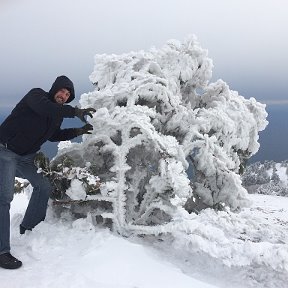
point(75, 253)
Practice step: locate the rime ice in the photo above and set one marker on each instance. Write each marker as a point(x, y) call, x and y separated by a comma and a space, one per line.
point(158, 115)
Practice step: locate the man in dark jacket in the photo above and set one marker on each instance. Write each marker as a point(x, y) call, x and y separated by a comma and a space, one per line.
point(35, 119)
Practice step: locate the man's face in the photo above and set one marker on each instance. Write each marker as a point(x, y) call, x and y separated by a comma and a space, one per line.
point(62, 96)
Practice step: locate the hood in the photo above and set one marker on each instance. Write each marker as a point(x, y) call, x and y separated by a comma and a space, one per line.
point(62, 82)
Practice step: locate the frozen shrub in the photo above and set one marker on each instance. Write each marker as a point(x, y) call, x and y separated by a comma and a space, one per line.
point(155, 111)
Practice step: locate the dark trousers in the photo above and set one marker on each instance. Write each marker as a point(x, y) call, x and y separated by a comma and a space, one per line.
point(11, 166)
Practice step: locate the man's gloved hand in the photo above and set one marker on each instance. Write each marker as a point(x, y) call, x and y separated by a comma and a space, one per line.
point(86, 129)
point(81, 113)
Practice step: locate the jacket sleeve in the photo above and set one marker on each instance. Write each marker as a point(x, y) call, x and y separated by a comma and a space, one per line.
point(37, 100)
point(63, 135)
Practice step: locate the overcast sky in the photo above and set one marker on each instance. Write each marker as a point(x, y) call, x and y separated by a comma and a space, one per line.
point(41, 39)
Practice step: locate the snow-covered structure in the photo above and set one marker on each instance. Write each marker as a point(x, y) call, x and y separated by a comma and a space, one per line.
point(159, 119)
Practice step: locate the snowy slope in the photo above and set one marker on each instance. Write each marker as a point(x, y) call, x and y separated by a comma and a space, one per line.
point(73, 253)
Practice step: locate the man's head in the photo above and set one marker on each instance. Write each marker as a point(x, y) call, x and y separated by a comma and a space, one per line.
point(62, 90)
point(62, 96)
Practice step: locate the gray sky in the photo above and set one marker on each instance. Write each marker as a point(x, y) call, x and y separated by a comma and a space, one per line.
point(41, 39)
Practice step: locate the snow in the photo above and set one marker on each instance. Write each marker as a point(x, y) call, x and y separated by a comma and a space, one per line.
point(272, 207)
point(64, 252)
point(76, 190)
point(282, 173)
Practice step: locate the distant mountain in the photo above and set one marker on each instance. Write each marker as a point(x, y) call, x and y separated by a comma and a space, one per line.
point(268, 178)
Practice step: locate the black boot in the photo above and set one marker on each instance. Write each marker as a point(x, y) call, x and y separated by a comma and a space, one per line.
point(23, 229)
point(7, 261)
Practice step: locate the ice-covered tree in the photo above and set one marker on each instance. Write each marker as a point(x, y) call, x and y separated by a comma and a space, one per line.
point(158, 115)
point(268, 178)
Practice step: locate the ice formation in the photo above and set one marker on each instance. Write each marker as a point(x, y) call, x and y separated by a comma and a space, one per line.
point(159, 117)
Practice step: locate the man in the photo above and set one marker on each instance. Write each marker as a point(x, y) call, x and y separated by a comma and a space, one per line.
point(35, 119)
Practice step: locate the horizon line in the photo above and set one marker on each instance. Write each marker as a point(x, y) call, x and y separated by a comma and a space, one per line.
point(264, 101)
point(274, 102)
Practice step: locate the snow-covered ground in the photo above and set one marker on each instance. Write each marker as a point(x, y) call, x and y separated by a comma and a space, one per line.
point(74, 253)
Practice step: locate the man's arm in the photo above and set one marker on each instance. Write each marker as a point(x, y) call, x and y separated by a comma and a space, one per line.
point(36, 99)
point(64, 134)
point(70, 133)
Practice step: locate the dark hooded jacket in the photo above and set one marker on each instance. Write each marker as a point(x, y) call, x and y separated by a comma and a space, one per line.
point(37, 118)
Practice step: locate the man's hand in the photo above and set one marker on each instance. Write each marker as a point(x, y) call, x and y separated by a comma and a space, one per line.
point(86, 129)
point(81, 113)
